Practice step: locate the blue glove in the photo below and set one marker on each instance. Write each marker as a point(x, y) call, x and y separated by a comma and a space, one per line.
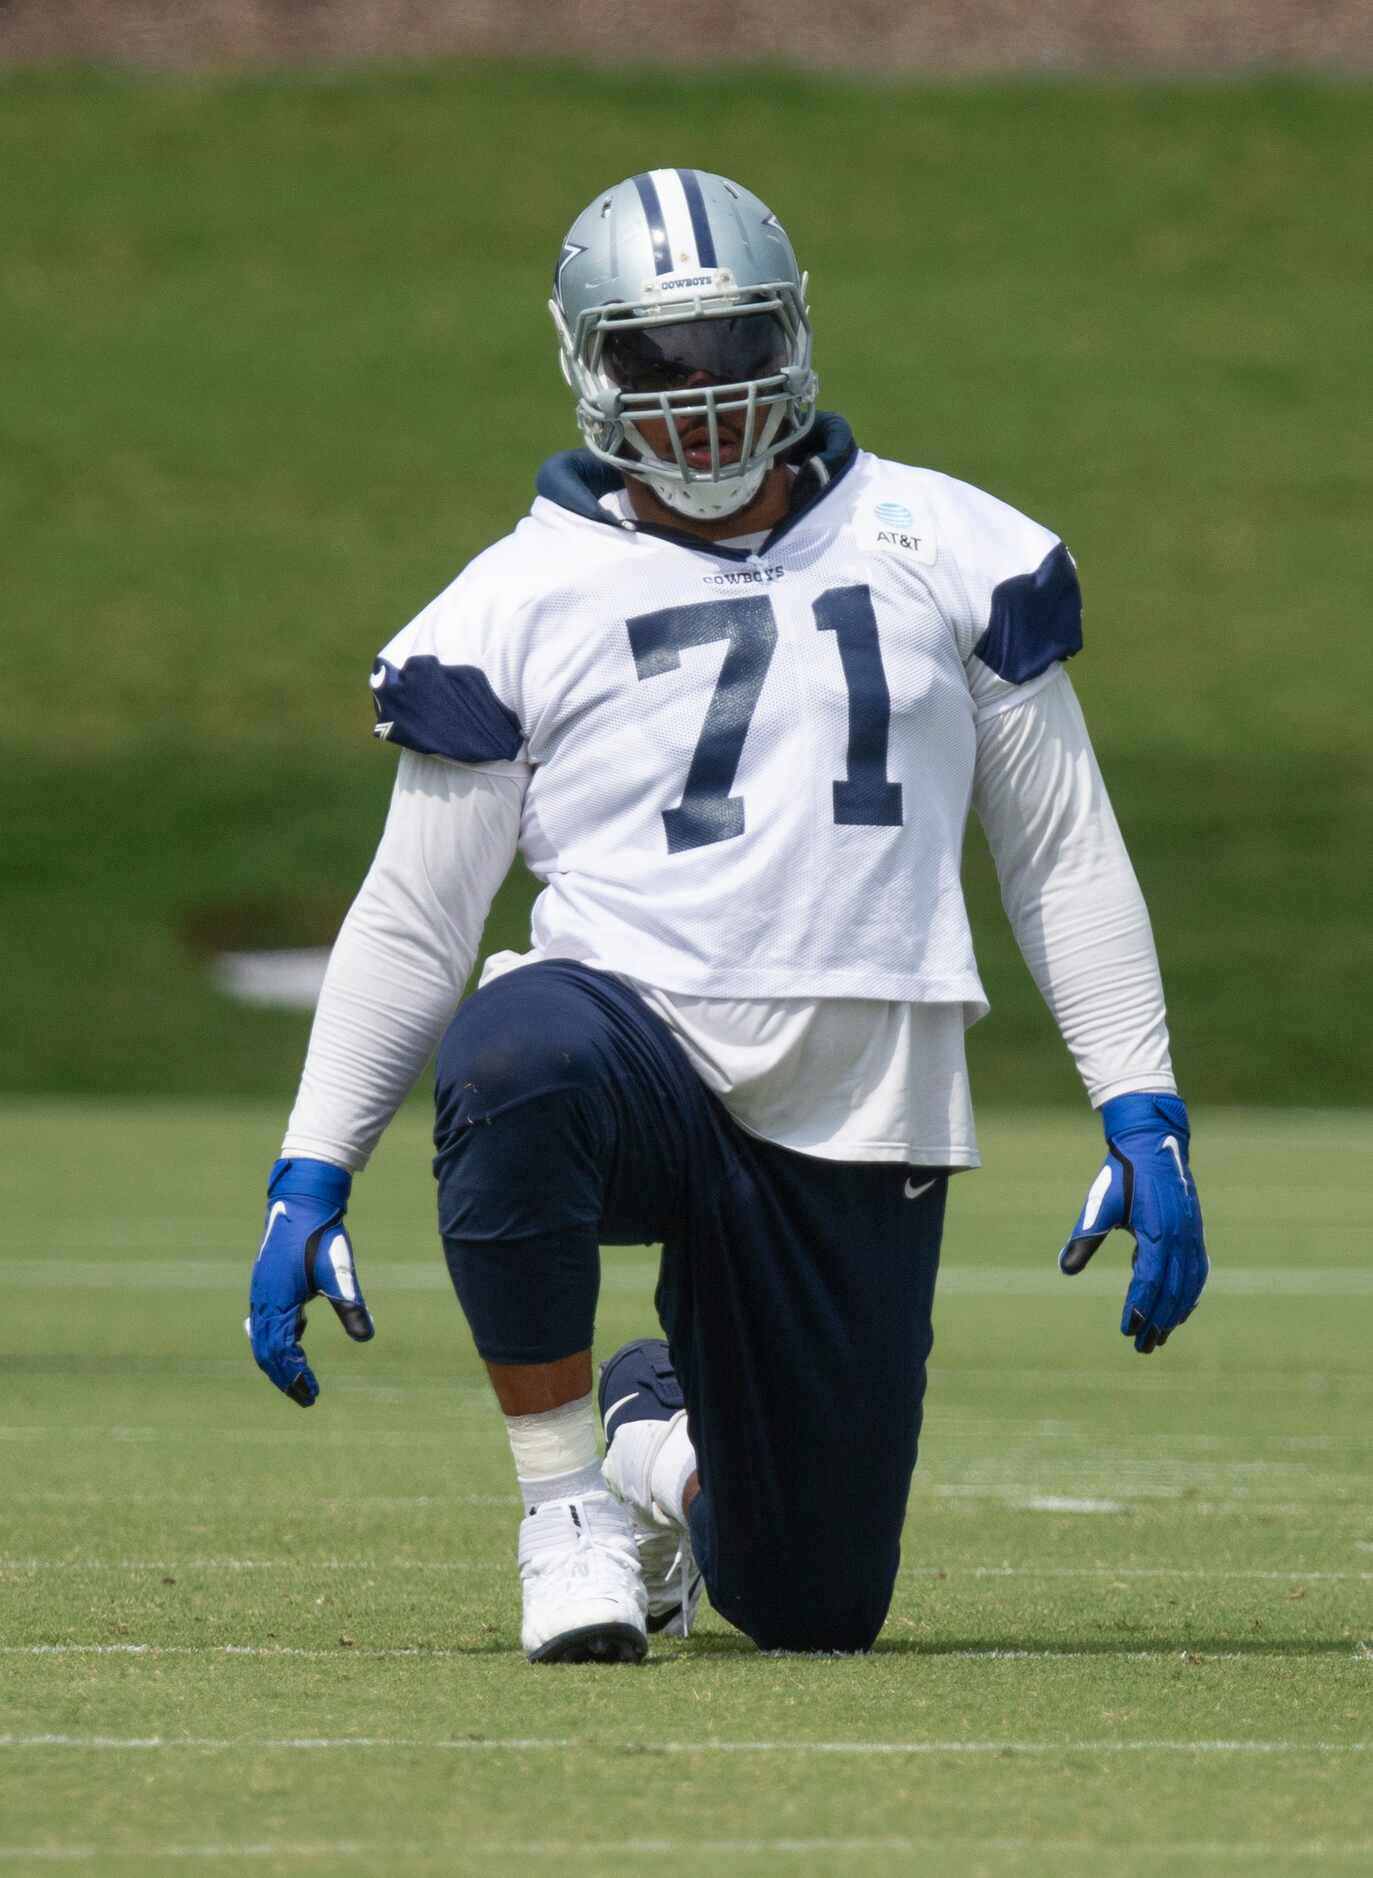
point(1146, 1186)
point(305, 1253)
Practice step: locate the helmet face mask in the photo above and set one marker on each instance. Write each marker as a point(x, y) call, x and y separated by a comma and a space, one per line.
point(690, 375)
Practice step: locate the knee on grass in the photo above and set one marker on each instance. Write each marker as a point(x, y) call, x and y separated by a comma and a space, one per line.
point(829, 1612)
point(815, 1633)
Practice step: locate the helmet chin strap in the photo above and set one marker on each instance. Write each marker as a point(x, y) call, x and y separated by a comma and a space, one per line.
point(705, 501)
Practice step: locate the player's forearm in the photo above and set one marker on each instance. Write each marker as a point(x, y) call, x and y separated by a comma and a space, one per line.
point(403, 954)
point(1071, 894)
point(381, 1011)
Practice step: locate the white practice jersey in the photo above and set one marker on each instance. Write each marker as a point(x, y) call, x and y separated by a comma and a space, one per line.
point(742, 773)
point(749, 770)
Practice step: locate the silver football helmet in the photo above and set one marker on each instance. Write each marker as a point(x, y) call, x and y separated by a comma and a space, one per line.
point(684, 331)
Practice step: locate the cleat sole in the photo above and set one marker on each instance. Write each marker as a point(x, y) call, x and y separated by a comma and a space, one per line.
point(597, 1643)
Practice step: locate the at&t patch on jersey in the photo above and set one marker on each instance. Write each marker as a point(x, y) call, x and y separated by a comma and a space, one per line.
point(895, 528)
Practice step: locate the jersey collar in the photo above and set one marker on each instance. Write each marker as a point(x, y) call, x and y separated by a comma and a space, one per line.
point(577, 481)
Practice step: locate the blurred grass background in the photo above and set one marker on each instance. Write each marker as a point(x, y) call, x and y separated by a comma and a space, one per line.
point(279, 363)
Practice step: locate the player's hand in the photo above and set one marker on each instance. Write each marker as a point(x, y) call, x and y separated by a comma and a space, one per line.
point(1146, 1186)
point(305, 1253)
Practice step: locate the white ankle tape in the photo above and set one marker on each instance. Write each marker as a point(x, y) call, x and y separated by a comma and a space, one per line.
point(573, 1486)
point(557, 1441)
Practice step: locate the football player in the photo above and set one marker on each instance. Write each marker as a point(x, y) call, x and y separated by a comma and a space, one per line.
point(730, 689)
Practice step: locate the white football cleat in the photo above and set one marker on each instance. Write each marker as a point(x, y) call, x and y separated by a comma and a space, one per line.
point(584, 1598)
point(640, 1410)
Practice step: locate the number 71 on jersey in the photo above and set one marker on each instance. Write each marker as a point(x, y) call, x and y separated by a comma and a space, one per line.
point(708, 812)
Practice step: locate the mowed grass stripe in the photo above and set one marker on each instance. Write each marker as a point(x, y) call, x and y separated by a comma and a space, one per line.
point(293, 1564)
point(1089, 1484)
point(944, 1378)
point(540, 1744)
point(660, 1847)
point(1009, 1497)
point(980, 1281)
point(343, 1652)
point(1016, 1433)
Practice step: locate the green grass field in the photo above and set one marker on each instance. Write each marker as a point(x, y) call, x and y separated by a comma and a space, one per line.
point(280, 363)
point(1133, 1632)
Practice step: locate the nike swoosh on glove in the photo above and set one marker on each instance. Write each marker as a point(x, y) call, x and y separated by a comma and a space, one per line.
point(1145, 1186)
point(305, 1253)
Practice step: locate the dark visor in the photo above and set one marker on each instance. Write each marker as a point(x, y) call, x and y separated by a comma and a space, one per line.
point(666, 358)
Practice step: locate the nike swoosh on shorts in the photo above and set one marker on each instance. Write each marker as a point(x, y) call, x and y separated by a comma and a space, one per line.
point(615, 1408)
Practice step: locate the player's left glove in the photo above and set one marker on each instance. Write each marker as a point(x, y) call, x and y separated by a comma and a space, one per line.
point(1146, 1186)
point(305, 1253)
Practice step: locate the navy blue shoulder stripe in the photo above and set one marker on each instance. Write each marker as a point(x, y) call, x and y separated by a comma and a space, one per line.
point(657, 227)
point(700, 221)
point(1035, 620)
point(443, 710)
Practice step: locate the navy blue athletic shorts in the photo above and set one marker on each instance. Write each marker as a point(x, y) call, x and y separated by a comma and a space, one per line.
point(795, 1293)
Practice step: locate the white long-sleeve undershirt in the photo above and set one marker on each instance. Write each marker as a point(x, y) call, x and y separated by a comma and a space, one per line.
point(842, 1079)
point(1070, 892)
point(404, 952)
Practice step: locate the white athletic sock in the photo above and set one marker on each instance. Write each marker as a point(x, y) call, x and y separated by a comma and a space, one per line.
point(673, 1466)
point(556, 1452)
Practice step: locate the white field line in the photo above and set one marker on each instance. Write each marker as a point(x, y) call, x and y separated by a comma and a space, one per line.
point(1267, 1204)
point(963, 1472)
point(293, 1565)
point(617, 1849)
point(1137, 1499)
point(258, 1437)
point(1068, 1503)
point(255, 1565)
point(342, 1651)
point(1157, 1381)
point(1132, 1571)
point(955, 1429)
point(56, 1270)
point(1016, 1497)
point(1019, 1281)
point(541, 1744)
point(328, 1503)
point(959, 1449)
point(1161, 1380)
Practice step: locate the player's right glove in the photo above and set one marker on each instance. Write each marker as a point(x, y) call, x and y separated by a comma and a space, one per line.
point(305, 1253)
point(1146, 1186)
